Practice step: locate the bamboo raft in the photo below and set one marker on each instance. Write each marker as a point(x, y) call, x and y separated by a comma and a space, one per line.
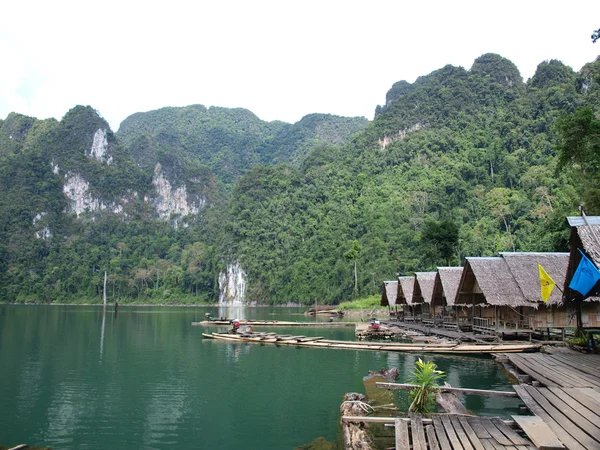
point(304, 341)
point(274, 323)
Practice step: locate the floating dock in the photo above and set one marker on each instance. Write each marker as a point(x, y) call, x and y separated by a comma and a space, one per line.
point(274, 323)
point(304, 341)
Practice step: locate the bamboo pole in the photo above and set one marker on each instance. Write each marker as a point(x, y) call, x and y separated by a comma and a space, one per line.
point(408, 387)
point(104, 293)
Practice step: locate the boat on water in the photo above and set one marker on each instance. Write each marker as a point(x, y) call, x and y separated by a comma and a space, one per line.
point(444, 347)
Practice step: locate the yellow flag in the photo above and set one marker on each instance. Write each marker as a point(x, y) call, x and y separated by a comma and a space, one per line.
point(546, 283)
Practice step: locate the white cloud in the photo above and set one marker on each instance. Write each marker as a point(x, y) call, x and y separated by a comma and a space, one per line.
point(281, 60)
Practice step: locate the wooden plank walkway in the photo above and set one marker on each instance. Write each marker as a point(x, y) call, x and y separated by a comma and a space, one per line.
point(569, 400)
point(426, 329)
point(560, 368)
point(456, 432)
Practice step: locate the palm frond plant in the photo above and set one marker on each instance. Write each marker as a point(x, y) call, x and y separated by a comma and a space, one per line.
point(426, 376)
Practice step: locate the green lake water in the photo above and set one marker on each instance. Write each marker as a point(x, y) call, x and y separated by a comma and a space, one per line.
point(72, 377)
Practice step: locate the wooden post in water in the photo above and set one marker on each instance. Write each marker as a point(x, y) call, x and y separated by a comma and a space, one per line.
point(104, 293)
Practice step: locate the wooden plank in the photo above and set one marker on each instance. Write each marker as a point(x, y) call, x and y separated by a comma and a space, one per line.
point(488, 445)
point(478, 427)
point(572, 414)
point(533, 406)
point(417, 431)
point(540, 434)
point(577, 371)
point(441, 433)
point(594, 394)
point(464, 440)
point(579, 364)
point(456, 445)
point(470, 433)
point(402, 442)
point(495, 432)
point(408, 387)
point(562, 422)
point(560, 373)
point(509, 432)
point(583, 404)
point(524, 366)
point(433, 443)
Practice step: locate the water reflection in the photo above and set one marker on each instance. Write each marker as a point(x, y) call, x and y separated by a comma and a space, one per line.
point(102, 332)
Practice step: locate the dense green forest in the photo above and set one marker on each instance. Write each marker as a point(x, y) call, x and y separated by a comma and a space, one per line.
point(459, 163)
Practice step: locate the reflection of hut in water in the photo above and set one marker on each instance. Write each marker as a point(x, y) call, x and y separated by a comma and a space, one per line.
point(585, 236)
point(425, 282)
point(445, 294)
point(497, 305)
point(524, 268)
point(406, 287)
point(389, 296)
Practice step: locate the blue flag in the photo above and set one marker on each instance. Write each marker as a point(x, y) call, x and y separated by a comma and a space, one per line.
point(585, 277)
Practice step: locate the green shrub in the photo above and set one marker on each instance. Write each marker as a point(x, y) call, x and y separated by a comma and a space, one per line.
point(426, 377)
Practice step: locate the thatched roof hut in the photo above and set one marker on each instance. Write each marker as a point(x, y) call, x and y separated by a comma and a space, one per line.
point(585, 235)
point(489, 280)
point(390, 293)
point(450, 281)
point(524, 269)
point(406, 288)
point(425, 282)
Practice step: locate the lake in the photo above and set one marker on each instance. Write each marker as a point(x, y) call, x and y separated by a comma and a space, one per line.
point(75, 378)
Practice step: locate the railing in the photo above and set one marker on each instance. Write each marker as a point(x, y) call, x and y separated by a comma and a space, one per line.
point(489, 325)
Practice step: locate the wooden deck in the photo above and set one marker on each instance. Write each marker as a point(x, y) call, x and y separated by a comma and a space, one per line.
point(569, 400)
point(452, 432)
point(428, 329)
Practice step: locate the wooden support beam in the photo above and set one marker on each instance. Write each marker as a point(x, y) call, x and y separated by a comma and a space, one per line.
point(408, 387)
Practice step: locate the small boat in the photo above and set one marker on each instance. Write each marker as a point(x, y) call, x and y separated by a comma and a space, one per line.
point(444, 347)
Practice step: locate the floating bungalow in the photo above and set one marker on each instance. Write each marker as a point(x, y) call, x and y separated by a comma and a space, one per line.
point(497, 305)
point(447, 284)
point(585, 236)
point(423, 294)
point(554, 313)
point(406, 288)
point(389, 296)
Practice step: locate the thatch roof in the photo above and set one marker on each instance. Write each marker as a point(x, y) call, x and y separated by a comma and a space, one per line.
point(450, 281)
point(585, 235)
point(390, 293)
point(425, 284)
point(588, 232)
point(406, 288)
point(489, 280)
point(524, 269)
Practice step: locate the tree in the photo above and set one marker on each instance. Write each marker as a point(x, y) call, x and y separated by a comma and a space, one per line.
point(579, 149)
point(439, 241)
point(353, 255)
point(596, 35)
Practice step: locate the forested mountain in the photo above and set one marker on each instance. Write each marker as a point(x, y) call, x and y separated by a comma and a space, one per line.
point(184, 204)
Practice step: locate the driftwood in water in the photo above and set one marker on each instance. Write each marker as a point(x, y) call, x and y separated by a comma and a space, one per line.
point(354, 433)
point(450, 403)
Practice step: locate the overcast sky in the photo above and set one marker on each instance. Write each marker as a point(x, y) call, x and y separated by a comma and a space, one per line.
point(280, 59)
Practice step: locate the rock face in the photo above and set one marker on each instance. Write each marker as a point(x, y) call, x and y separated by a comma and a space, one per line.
point(76, 189)
point(99, 150)
point(171, 200)
point(232, 285)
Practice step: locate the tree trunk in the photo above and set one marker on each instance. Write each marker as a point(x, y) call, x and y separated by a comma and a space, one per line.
point(355, 278)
